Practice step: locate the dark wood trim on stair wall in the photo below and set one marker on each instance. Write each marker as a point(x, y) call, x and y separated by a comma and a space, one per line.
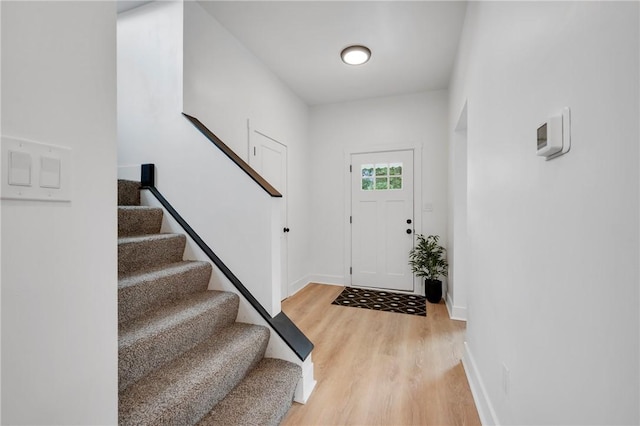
point(281, 324)
point(233, 156)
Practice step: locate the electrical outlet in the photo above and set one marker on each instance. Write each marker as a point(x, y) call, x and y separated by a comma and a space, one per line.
point(505, 379)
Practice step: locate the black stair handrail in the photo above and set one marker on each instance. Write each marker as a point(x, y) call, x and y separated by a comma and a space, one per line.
point(233, 156)
point(281, 323)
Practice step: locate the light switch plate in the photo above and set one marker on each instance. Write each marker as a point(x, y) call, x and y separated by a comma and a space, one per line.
point(19, 168)
point(35, 171)
point(49, 172)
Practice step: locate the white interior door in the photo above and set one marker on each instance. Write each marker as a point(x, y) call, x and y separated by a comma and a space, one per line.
point(382, 219)
point(269, 158)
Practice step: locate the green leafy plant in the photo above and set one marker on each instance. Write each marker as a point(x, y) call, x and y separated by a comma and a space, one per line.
point(427, 258)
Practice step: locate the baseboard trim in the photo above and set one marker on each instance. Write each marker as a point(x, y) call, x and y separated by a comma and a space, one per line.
point(326, 279)
point(298, 285)
point(483, 404)
point(455, 312)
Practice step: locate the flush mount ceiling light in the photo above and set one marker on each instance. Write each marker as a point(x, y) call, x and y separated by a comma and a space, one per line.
point(355, 55)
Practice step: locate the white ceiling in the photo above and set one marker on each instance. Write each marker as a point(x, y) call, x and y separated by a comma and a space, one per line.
point(413, 43)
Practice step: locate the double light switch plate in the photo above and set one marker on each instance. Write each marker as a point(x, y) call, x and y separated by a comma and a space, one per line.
point(35, 171)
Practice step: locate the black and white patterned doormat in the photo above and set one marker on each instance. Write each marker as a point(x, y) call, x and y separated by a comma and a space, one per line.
point(382, 301)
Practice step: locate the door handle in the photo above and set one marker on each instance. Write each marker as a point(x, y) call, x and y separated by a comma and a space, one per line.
point(409, 231)
point(285, 230)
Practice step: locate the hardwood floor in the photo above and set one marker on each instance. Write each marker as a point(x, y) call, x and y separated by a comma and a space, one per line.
point(380, 368)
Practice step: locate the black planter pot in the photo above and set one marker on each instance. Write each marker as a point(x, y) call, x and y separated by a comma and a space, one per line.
point(433, 290)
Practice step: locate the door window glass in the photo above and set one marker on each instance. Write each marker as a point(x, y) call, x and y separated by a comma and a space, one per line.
point(366, 172)
point(381, 177)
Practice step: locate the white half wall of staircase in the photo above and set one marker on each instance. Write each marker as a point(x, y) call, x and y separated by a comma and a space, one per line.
point(276, 348)
point(59, 259)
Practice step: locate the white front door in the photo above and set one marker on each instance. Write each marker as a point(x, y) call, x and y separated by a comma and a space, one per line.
point(382, 219)
point(269, 158)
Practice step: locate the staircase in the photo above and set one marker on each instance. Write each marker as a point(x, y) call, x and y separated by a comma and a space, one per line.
point(182, 357)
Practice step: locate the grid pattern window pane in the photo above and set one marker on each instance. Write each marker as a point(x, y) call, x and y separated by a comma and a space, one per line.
point(381, 177)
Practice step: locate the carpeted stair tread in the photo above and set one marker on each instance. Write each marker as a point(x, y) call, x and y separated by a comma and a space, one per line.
point(186, 389)
point(128, 193)
point(139, 293)
point(156, 338)
point(144, 252)
point(182, 358)
point(139, 220)
point(262, 398)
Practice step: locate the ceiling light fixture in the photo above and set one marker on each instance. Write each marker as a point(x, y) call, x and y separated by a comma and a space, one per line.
point(355, 55)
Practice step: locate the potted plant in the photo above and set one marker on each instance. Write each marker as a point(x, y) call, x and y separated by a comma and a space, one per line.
point(427, 259)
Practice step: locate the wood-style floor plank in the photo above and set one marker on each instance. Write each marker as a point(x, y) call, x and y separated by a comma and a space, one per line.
point(380, 368)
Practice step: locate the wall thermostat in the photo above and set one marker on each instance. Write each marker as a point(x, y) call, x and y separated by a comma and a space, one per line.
point(554, 136)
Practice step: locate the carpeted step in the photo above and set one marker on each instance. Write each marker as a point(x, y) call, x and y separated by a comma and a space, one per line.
point(138, 220)
point(185, 390)
point(136, 254)
point(128, 193)
point(263, 398)
point(140, 293)
point(152, 340)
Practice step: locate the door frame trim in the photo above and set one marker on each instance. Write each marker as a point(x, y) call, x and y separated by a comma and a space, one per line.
point(417, 198)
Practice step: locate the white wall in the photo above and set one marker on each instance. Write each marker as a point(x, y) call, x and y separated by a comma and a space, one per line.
point(59, 260)
point(1, 159)
point(409, 120)
point(458, 279)
point(229, 211)
point(224, 85)
point(553, 291)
